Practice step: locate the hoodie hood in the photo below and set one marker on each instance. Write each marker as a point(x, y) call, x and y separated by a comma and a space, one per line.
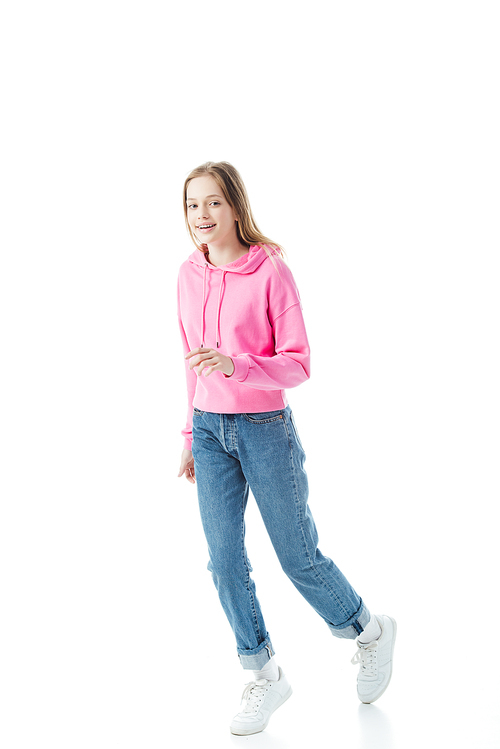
point(244, 265)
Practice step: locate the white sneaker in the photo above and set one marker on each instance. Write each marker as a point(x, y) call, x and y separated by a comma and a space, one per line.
point(375, 659)
point(259, 701)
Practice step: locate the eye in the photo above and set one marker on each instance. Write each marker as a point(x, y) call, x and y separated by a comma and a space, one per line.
point(193, 205)
point(215, 202)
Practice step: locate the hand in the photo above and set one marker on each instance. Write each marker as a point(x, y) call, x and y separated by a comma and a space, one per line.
point(211, 360)
point(187, 466)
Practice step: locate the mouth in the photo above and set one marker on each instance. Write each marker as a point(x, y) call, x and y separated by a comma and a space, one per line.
point(205, 227)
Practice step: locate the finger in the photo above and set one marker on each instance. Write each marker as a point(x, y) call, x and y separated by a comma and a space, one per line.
point(209, 362)
point(196, 351)
point(197, 360)
point(211, 369)
point(201, 357)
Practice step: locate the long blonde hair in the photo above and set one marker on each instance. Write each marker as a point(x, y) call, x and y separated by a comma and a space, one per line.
point(229, 180)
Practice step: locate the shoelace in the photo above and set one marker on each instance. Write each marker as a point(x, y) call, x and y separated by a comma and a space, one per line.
point(253, 695)
point(367, 657)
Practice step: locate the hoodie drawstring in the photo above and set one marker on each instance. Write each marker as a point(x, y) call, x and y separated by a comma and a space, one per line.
point(217, 320)
point(202, 326)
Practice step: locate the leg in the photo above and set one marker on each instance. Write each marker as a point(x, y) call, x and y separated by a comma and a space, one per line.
point(272, 459)
point(222, 495)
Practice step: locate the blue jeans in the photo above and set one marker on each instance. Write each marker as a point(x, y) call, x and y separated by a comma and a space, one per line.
point(262, 451)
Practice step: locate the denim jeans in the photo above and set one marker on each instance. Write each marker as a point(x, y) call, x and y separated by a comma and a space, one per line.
point(262, 451)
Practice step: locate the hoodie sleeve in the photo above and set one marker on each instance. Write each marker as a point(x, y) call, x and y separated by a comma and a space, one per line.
point(187, 432)
point(290, 365)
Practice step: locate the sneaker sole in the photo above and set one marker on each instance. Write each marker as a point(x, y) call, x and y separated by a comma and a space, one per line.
point(250, 731)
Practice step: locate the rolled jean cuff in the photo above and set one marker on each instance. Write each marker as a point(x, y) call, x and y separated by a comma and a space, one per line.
point(257, 658)
point(354, 626)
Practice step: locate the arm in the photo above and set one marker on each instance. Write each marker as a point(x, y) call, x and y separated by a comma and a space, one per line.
point(289, 367)
point(187, 432)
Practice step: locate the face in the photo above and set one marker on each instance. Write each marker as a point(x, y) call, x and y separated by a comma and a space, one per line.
point(210, 216)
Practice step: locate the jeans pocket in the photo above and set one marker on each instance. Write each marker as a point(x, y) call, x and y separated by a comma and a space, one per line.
point(265, 417)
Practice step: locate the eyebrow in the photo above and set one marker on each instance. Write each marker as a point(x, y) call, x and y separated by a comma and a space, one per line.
point(188, 200)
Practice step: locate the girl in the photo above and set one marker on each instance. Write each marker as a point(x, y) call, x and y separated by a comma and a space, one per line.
point(244, 343)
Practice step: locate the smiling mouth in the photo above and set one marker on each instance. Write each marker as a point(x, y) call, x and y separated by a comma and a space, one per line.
point(206, 226)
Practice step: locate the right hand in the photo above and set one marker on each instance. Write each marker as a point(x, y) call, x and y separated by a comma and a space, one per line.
point(187, 466)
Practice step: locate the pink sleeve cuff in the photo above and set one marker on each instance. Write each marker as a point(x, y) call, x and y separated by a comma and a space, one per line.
point(241, 367)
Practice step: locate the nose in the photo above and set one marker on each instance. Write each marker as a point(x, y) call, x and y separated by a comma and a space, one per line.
point(202, 212)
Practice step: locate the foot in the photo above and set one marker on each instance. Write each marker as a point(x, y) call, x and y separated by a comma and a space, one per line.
point(375, 659)
point(259, 701)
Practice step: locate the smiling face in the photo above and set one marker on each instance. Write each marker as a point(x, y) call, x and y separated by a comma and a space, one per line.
point(211, 218)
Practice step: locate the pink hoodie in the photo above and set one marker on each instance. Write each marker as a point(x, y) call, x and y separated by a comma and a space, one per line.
point(251, 312)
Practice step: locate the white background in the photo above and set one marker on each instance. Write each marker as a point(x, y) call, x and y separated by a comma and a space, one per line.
point(367, 135)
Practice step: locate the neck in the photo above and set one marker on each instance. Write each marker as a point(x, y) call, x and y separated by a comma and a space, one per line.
point(226, 254)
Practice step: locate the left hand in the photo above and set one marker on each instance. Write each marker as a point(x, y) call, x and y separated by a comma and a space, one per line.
point(210, 360)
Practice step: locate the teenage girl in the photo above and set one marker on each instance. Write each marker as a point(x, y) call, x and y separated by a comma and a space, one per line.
point(244, 341)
